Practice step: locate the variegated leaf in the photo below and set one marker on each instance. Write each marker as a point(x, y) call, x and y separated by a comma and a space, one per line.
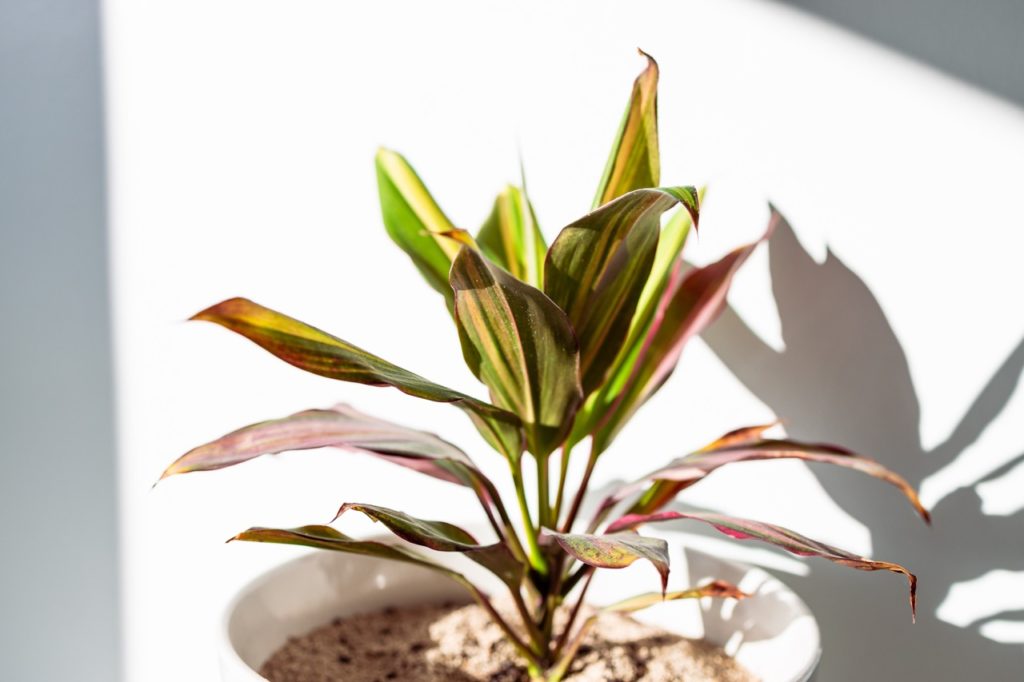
point(341, 426)
point(791, 541)
point(616, 551)
point(318, 352)
point(718, 589)
point(445, 537)
point(512, 239)
point(415, 222)
point(633, 162)
point(687, 470)
point(692, 300)
point(670, 246)
point(598, 267)
point(520, 345)
point(325, 537)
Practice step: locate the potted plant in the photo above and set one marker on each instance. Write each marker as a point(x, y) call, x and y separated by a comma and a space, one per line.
point(570, 340)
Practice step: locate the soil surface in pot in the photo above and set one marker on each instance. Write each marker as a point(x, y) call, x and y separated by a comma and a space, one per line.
point(455, 643)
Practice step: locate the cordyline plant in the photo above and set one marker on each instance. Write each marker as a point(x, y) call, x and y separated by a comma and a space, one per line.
point(570, 341)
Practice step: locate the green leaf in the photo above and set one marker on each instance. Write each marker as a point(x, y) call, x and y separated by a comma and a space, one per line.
point(520, 345)
point(633, 162)
point(445, 537)
point(341, 426)
point(415, 222)
point(616, 551)
point(325, 537)
point(512, 239)
point(791, 541)
point(318, 352)
point(692, 300)
point(670, 246)
point(598, 267)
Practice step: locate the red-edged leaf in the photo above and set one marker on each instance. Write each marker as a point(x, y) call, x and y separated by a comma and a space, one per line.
point(717, 589)
point(341, 426)
point(442, 536)
point(318, 352)
point(325, 537)
point(744, 445)
point(616, 551)
point(597, 268)
point(520, 344)
point(634, 162)
point(687, 470)
point(692, 300)
point(791, 541)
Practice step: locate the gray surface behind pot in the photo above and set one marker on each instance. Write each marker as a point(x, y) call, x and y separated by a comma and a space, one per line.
point(59, 566)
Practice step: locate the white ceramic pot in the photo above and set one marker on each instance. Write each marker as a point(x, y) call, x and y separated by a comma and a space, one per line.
point(774, 634)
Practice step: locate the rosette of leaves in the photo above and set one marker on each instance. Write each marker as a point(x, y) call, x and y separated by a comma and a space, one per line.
point(570, 340)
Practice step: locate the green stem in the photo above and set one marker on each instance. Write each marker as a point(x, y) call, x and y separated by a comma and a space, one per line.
point(536, 557)
point(563, 473)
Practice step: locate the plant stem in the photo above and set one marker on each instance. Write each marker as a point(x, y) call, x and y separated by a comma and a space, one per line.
point(581, 491)
point(538, 642)
point(537, 560)
point(563, 473)
point(510, 634)
point(574, 613)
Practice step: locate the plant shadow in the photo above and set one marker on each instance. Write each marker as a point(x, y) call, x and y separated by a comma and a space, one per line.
point(844, 377)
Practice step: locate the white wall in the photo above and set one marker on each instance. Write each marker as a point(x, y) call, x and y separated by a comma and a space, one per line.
point(242, 136)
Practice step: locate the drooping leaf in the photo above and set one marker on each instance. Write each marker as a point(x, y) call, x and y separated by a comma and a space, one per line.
point(318, 352)
point(598, 266)
point(445, 537)
point(718, 589)
point(692, 300)
point(634, 162)
point(670, 246)
point(325, 537)
point(687, 470)
point(512, 239)
point(520, 345)
point(415, 222)
point(791, 541)
point(616, 551)
point(341, 426)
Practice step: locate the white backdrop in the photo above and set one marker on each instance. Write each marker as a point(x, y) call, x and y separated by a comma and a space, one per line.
point(242, 136)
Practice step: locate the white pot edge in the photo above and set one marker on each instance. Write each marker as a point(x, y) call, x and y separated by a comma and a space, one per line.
point(235, 669)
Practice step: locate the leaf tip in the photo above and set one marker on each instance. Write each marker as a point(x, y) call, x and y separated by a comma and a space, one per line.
point(341, 510)
point(218, 310)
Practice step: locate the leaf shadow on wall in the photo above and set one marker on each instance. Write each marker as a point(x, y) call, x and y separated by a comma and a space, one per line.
point(843, 377)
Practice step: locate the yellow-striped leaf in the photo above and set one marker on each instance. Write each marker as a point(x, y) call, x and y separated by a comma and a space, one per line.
point(512, 239)
point(598, 267)
point(633, 162)
point(318, 352)
point(519, 344)
point(415, 222)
